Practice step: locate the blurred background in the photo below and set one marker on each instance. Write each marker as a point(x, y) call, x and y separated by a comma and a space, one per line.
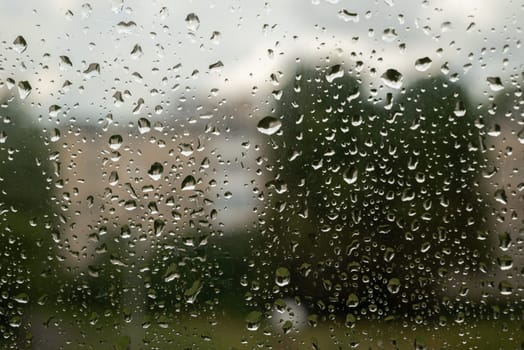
point(239, 174)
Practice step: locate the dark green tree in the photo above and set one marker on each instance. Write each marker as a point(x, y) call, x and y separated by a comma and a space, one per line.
point(371, 200)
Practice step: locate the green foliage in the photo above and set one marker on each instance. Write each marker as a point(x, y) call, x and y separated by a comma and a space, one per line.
point(375, 192)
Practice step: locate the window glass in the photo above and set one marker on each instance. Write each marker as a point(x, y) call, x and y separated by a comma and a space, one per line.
point(235, 174)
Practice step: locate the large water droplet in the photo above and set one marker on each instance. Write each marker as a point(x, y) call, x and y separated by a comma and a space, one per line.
point(282, 276)
point(253, 320)
point(192, 22)
point(24, 89)
point(392, 78)
point(144, 126)
point(495, 83)
point(334, 72)
point(155, 171)
point(350, 175)
point(188, 183)
point(423, 64)
point(19, 44)
point(269, 125)
point(347, 16)
point(115, 142)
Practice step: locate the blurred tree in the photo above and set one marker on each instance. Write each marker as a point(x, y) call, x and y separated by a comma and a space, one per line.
point(25, 221)
point(375, 201)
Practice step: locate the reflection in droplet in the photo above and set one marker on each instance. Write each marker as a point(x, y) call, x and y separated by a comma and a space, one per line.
point(155, 171)
point(269, 125)
point(19, 44)
point(392, 78)
point(423, 64)
point(192, 22)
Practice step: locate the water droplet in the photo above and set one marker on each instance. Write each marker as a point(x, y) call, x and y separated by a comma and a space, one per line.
point(126, 27)
point(136, 52)
point(115, 142)
point(144, 126)
point(113, 178)
point(394, 285)
point(216, 66)
point(334, 72)
point(495, 83)
point(191, 294)
point(192, 22)
point(24, 89)
point(54, 110)
point(253, 320)
point(460, 109)
point(423, 64)
point(19, 44)
point(504, 241)
point(92, 70)
point(55, 135)
point(188, 183)
point(389, 35)
point(155, 171)
point(505, 262)
point(352, 300)
point(65, 62)
point(269, 125)
point(392, 78)
point(282, 277)
point(215, 37)
point(350, 175)
point(171, 273)
point(500, 196)
point(520, 136)
point(158, 227)
point(351, 320)
point(389, 254)
point(505, 288)
point(130, 205)
point(347, 16)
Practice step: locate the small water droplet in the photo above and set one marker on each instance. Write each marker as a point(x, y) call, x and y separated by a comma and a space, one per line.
point(520, 136)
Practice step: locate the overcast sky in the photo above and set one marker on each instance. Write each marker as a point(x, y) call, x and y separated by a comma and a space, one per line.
point(177, 53)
